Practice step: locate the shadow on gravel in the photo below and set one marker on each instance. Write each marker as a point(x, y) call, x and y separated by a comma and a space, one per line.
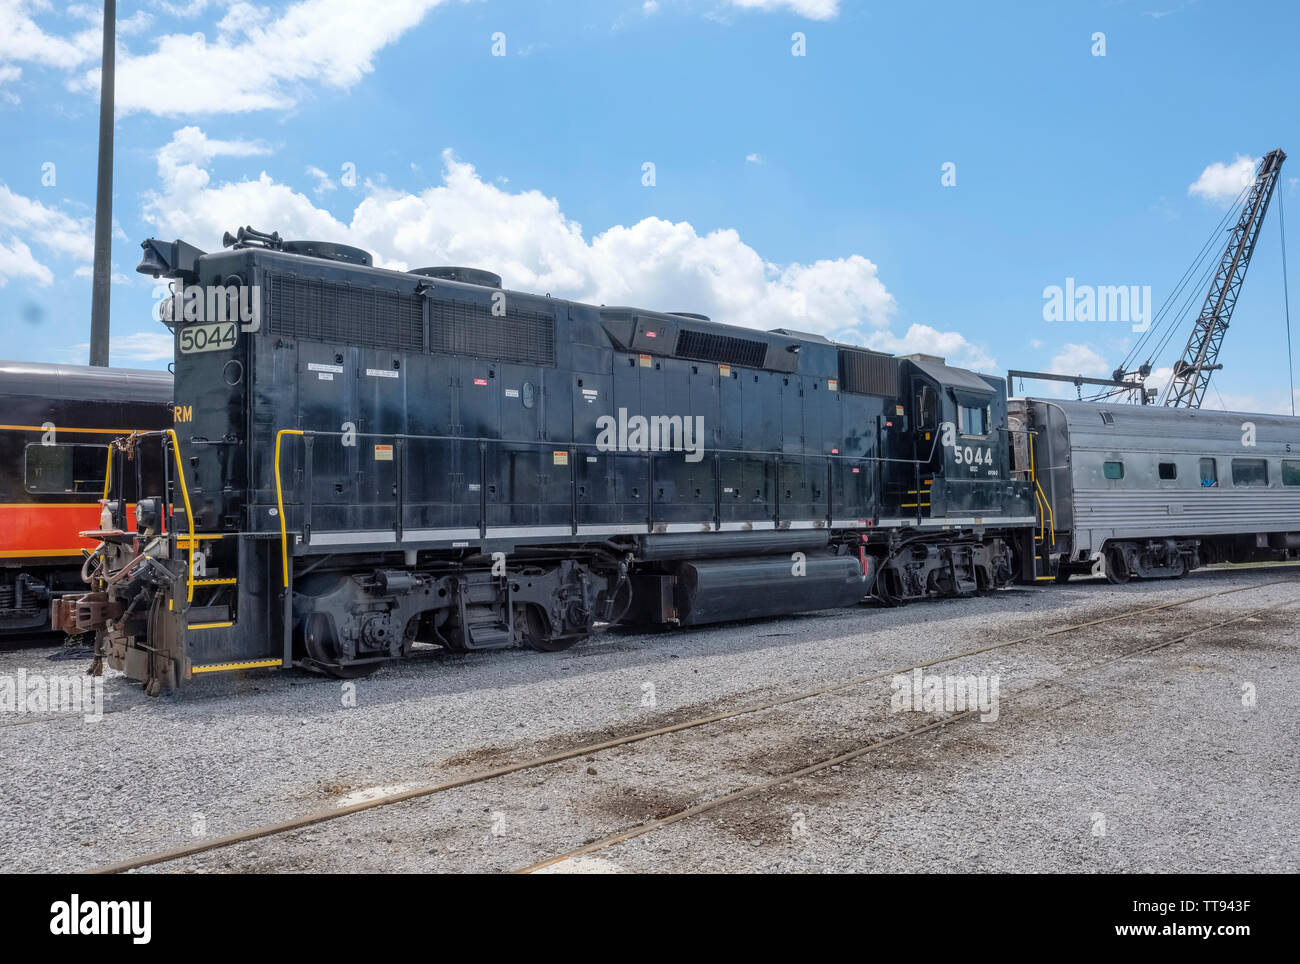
point(442, 673)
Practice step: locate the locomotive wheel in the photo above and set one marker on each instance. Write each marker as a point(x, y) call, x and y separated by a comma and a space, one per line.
point(537, 631)
point(323, 648)
point(887, 589)
point(1179, 567)
point(1062, 574)
point(1116, 568)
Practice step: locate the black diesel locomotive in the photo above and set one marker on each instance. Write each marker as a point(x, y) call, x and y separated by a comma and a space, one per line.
point(366, 460)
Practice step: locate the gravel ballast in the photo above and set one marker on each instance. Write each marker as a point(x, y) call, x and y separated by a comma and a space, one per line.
point(1154, 763)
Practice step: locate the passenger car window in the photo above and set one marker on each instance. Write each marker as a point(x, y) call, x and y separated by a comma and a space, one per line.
point(65, 469)
point(972, 420)
point(1290, 472)
point(1209, 474)
point(1249, 472)
point(1168, 471)
point(1114, 470)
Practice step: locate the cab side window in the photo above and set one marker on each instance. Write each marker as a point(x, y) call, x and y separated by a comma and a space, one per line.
point(973, 420)
point(927, 407)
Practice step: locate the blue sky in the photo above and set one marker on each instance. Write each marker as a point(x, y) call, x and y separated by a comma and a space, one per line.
point(789, 191)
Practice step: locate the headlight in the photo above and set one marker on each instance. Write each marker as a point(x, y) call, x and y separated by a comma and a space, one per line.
point(147, 514)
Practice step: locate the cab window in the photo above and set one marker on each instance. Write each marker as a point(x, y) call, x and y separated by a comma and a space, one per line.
point(927, 407)
point(972, 420)
point(1113, 470)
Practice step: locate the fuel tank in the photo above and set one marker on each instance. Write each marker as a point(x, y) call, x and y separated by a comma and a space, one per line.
point(719, 590)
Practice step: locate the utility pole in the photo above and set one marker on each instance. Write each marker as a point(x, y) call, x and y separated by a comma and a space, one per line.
point(102, 276)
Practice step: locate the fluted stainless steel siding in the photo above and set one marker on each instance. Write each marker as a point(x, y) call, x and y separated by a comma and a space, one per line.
point(1142, 505)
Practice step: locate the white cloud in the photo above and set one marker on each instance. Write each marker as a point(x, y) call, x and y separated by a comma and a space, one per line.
point(48, 226)
point(17, 261)
point(1221, 183)
point(753, 159)
point(25, 222)
point(9, 74)
point(812, 9)
point(190, 148)
point(259, 58)
point(189, 207)
point(86, 272)
point(141, 346)
point(1080, 360)
point(323, 181)
point(22, 40)
point(191, 9)
point(949, 345)
point(138, 22)
point(527, 238)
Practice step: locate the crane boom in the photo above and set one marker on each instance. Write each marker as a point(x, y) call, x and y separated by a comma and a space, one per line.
point(1200, 358)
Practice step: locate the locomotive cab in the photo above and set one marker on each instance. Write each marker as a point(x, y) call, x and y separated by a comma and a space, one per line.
point(959, 447)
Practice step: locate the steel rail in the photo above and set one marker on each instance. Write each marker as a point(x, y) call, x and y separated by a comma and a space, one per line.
point(758, 788)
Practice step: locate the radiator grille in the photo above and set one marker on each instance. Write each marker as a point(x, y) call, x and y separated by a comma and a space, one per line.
point(342, 313)
point(724, 349)
point(868, 373)
point(465, 328)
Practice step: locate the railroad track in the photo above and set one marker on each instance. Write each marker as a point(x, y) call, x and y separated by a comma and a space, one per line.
point(483, 776)
point(758, 789)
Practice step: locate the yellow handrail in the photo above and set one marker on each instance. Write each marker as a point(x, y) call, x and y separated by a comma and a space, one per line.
point(279, 503)
point(1033, 474)
point(189, 516)
point(108, 471)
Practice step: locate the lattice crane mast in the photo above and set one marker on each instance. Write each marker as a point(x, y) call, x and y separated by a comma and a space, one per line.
point(1200, 359)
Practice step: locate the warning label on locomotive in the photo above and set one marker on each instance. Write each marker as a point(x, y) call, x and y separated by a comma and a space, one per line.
point(218, 337)
point(321, 367)
point(382, 373)
point(383, 453)
point(561, 458)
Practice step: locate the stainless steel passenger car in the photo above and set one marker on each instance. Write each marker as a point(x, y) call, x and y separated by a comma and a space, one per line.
point(1131, 490)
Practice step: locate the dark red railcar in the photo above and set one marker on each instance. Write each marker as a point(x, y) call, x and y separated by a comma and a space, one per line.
point(56, 424)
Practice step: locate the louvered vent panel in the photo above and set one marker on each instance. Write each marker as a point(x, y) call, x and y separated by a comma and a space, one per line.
point(724, 349)
point(868, 373)
point(342, 313)
point(463, 328)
